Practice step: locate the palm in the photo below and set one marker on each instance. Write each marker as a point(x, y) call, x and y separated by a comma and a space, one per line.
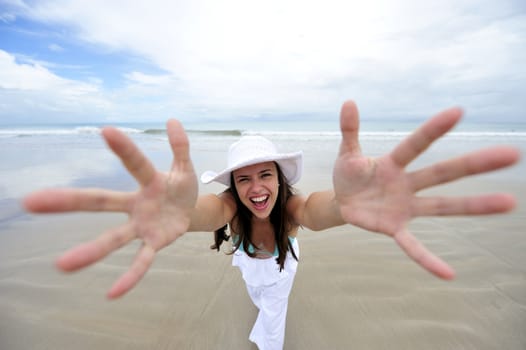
point(372, 200)
point(157, 216)
point(159, 212)
point(380, 195)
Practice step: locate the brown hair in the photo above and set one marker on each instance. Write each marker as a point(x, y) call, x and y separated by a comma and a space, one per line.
point(279, 220)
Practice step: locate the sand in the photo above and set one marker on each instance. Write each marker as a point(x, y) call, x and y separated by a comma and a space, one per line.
point(353, 290)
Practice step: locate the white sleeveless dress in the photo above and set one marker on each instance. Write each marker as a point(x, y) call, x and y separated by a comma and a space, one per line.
point(269, 290)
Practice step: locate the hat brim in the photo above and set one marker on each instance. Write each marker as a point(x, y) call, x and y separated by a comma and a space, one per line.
point(291, 165)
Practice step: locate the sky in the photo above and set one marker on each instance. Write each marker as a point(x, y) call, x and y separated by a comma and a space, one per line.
point(198, 60)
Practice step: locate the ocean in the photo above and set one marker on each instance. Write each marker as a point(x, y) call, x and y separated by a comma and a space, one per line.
point(35, 157)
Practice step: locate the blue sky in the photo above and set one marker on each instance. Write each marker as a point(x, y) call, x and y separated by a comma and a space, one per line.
point(114, 61)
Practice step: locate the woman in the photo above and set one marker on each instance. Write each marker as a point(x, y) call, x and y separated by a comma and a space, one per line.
point(263, 227)
point(375, 194)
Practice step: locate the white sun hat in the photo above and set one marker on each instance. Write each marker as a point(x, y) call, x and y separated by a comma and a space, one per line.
point(254, 149)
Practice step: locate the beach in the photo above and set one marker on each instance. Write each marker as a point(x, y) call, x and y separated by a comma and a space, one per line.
point(353, 290)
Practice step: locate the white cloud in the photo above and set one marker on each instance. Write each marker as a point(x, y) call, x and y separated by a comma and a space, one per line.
point(55, 47)
point(149, 79)
point(7, 17)
point(33, 76)
point(29, 90)
point(308, 56)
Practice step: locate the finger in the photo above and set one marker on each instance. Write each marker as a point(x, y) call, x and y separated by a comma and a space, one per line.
point(416, 251)
point(91, 252)
point(476, 205)
point(68, 199)
point(424, 136)
point(180, 146)
point(133, 159)
point(349, 126)
point(473, 163)
point(140, 265)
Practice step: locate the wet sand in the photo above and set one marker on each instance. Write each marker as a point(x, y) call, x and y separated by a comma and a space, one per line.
point(353, 290)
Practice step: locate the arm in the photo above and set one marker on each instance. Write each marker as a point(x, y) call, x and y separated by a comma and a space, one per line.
point(212, 212)
point(318, 211)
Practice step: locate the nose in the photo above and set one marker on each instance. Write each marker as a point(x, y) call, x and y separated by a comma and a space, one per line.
point(256, 185)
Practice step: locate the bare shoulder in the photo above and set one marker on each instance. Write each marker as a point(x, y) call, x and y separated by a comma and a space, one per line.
point(227, 197)
point(229, 202)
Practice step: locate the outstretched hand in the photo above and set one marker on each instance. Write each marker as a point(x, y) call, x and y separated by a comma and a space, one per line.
point(159, 212)
point(380, 195)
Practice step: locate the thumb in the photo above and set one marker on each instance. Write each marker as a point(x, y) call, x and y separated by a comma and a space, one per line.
point(349, 126)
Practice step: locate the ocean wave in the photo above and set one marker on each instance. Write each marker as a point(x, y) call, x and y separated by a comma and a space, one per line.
point(42, 132)
point(95, 130)
point(78, 130)
point(232, 132)
point(386, 134)
point(128, 130)
point(212, 132)
point(155, 131)
point(273, 133)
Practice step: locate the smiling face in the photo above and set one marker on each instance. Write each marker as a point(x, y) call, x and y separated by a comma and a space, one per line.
point(257, 187)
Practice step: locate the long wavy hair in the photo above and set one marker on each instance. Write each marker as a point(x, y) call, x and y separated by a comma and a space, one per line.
point(279, 219)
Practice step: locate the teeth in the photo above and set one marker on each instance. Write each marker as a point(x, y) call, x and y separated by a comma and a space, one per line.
point(259, 199)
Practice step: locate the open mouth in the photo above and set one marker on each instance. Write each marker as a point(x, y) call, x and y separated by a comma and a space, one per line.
point(260, 202)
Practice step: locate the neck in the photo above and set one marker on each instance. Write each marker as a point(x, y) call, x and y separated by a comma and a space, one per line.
point(258, 221)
